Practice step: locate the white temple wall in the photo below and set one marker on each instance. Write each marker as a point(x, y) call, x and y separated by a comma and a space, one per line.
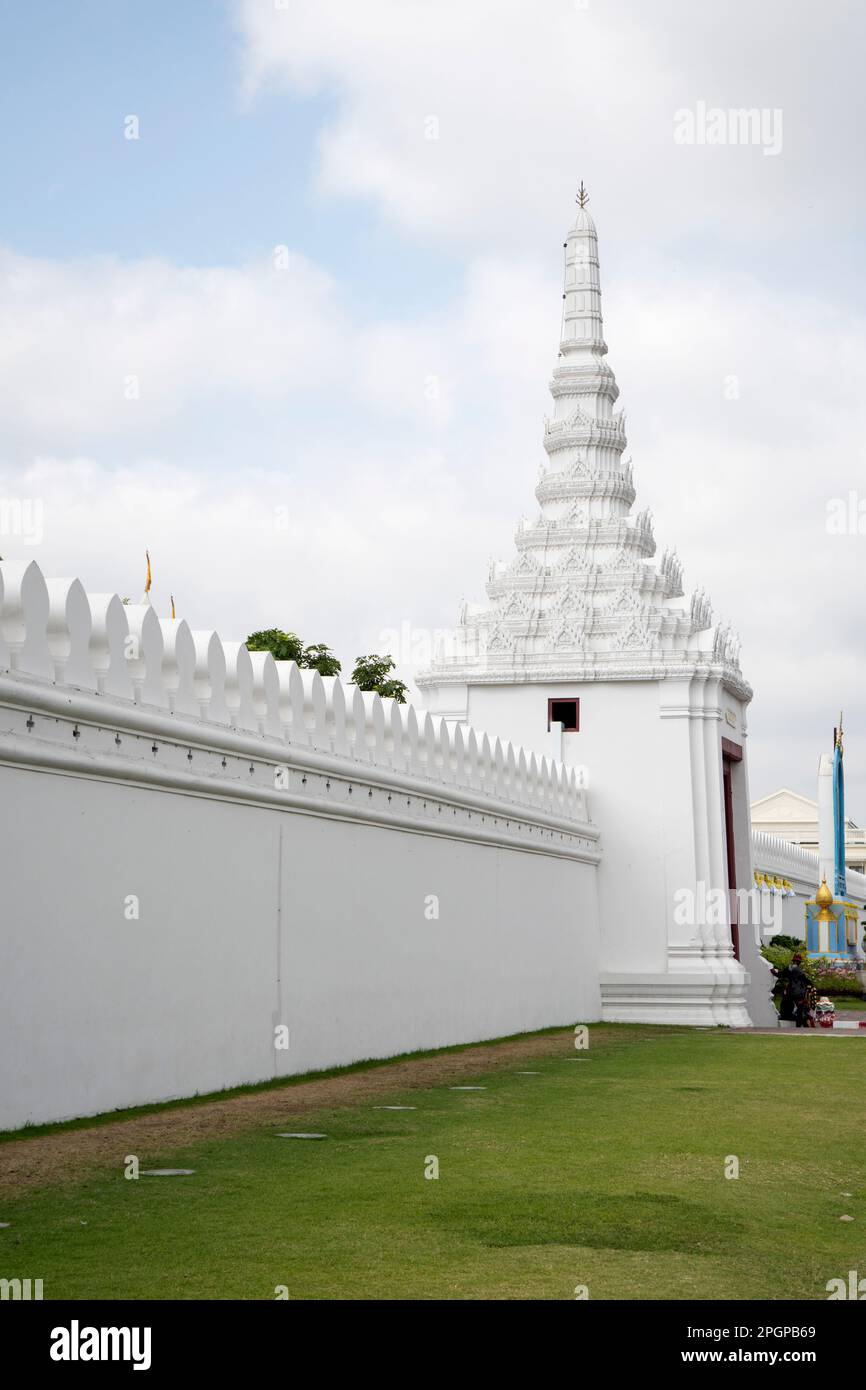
point(628, 760)
point(681, 815)
point(199, 845)
point(652, 751)
point(251, 918)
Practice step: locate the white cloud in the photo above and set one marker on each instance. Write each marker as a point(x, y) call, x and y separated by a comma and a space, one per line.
point(97, 344)
point(529, 99)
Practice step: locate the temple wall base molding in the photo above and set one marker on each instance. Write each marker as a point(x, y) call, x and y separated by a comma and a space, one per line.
point(695, 998)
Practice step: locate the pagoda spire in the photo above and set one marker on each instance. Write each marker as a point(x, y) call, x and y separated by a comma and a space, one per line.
point(584, 597)
point(582, 328)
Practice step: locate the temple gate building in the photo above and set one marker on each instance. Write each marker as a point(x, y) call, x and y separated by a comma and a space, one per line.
point(587, 649)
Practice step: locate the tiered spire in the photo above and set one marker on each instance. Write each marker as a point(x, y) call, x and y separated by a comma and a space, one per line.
point(584, 598)
point(581, 324)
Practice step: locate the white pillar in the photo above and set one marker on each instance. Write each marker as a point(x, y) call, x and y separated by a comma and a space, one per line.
point(826, 829)
point(554, 743)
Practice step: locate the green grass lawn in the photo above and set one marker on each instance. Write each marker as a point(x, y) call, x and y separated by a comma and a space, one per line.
point(606, 1170)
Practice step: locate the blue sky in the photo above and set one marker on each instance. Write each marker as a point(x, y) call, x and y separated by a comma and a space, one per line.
point(388, 389)
point(217, 178)
point(214, 179)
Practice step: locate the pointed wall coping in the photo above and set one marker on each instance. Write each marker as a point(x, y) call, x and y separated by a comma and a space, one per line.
point(95, 659)
point(781, 856)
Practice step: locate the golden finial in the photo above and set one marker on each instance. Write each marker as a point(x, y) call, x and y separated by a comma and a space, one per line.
point(824, 900)
point(582, 196)
point(173, 614)
point(147, 580)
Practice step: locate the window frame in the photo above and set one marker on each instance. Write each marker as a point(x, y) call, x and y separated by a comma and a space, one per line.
point(564, 700)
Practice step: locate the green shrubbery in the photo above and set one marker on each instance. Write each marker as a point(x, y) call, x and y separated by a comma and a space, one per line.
point(791, 943)
point(371, 673)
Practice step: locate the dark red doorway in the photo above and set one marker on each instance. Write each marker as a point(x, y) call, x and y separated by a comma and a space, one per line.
point(731, 753)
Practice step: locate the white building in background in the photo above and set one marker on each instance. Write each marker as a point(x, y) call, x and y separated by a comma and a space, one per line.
point(587, 649)
point(795, 818)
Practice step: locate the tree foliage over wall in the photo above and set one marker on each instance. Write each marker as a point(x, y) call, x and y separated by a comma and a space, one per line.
point(288, 646)
point(371, 672)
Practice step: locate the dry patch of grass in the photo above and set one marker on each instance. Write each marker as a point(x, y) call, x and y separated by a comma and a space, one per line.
point(68, 1155)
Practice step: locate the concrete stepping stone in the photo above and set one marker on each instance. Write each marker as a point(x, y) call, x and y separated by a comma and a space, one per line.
point(167, 1172)
point(529, 1073)
point(467, 1088)
point(395, 1107)
point(302, 1136)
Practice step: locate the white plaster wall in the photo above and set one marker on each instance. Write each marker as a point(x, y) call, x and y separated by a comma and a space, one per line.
point(251, 917)
point(515, 947)
point(653, 758)
point(639, 790)
point(281, 834)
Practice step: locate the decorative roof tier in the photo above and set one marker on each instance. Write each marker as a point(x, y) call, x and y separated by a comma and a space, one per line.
point(584, 597)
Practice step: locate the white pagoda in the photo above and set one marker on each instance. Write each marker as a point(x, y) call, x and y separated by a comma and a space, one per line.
point(587, 650)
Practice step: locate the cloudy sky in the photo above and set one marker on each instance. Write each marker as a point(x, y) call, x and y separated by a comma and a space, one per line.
point(295, 334)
